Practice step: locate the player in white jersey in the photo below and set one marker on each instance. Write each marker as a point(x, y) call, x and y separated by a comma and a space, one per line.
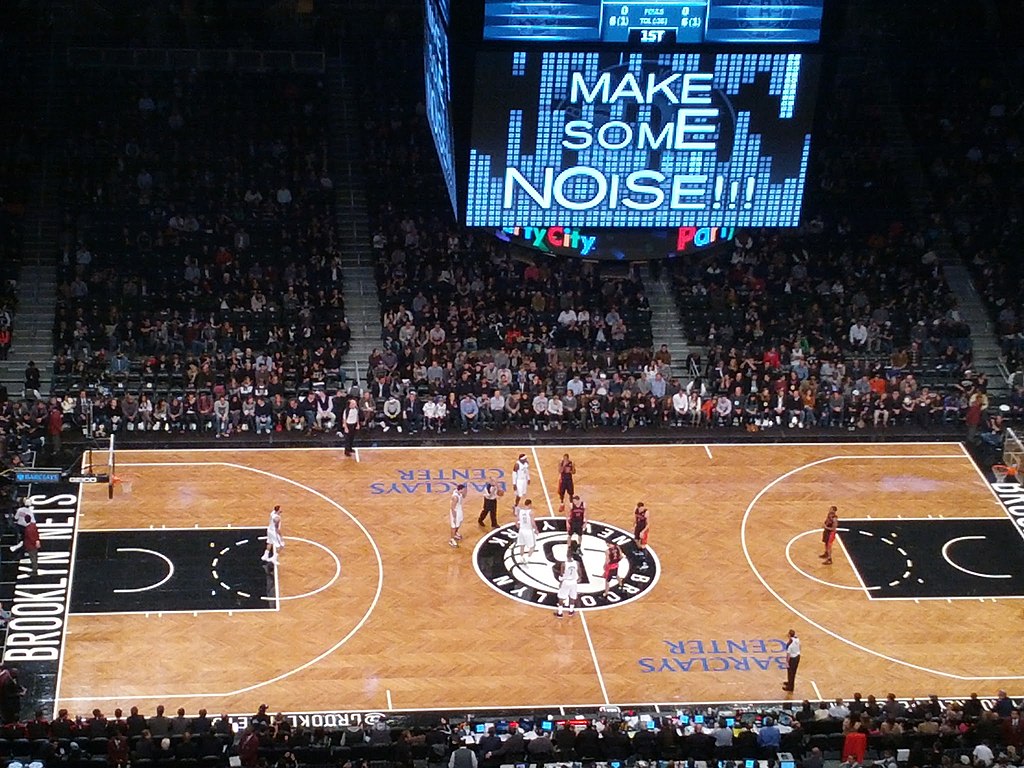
point(520, 478)
point(455, 514)
point(275, 541)
point(568, 584)
point(526, 539)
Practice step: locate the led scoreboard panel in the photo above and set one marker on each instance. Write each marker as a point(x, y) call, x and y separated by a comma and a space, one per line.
point(639, 139)
point(792, 22)
point(437, 76)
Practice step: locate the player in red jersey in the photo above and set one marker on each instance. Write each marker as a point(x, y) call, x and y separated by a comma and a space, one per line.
point(641, 532)
point(566, 485)
point(576, 520)
point(611, 565)
point(828, 534)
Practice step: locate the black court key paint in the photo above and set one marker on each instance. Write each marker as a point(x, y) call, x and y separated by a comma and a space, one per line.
point(936, 558)
point(158, 570)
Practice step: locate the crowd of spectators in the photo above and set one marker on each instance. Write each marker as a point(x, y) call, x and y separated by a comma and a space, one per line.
point(971, 150)
point(499, 394)
point(19, 159)
point(199, 249)
point(445, 290)
point(863, 731)
point(851, 313)
point(201, 290)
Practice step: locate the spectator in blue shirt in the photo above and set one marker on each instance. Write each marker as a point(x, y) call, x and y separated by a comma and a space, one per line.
point(768, 738)
point(470, 413)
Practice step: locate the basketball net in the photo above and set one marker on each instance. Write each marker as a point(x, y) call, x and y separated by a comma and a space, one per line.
point(1000, 471)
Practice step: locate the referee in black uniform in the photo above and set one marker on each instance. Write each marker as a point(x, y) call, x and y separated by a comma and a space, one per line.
point(490, 505)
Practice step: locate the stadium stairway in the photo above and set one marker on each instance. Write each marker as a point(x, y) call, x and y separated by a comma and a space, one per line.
point(987, 354)
point(37, 277)
point(362, 306)
point(666, 325)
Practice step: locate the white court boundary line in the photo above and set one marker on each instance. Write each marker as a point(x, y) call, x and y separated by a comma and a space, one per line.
point(802, 572)
point(164, 580)
point(564, 708)
point(67, 610)
point(561, 446)
point(853, 567)
point(984, 481)
point(158, 614)
point(945, 556)
point(593, 655)
point(583, 617)
point(317, 659)
point(808, 619)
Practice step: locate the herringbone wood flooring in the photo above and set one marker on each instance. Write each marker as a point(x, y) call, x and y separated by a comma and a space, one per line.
point(437, 636)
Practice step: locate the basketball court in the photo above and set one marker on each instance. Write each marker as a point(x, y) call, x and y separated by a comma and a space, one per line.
point(167, 600)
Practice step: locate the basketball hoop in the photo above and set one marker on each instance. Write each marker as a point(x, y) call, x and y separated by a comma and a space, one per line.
point(1000, 471)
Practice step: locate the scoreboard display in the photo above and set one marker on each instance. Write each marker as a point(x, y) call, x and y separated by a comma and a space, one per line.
point(684, 22)
point(437, 76)
point(634, 139)
point(641, 114)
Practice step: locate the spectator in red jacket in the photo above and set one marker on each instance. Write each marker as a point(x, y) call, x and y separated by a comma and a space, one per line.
point(855, 744)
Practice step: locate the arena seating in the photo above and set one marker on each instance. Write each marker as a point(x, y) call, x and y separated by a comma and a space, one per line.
point(19, 159)
point(927, 733)
point(170, 285)
point(971, 154)
point(200, 240)
point(851, 297)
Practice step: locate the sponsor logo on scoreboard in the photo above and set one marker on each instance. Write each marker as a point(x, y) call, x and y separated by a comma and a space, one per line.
point(533, 579)
point(623, 244)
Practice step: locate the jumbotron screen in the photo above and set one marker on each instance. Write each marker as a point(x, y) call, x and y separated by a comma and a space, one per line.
point(744, 22)
point(617, 139)
point(437, 74)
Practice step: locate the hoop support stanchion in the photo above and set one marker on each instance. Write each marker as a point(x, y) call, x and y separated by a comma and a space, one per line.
point(111, 469)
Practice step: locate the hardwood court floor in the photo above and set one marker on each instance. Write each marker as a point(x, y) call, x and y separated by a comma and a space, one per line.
point(411, 624)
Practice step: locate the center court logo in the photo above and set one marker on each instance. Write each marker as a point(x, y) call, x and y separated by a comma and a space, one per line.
point(533, 580)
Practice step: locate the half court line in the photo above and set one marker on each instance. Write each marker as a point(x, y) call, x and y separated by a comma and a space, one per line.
point(583, 617)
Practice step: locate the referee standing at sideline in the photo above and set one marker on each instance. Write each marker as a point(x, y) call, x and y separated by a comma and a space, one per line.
point(350, 425)
point(792, 660)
